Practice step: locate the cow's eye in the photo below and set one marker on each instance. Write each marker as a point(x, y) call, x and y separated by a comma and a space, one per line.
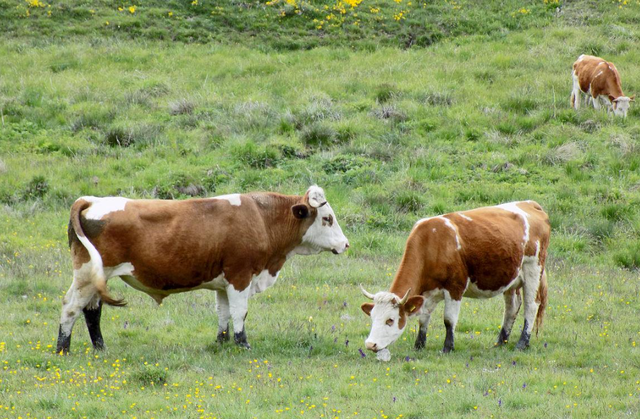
point(390, 322)
point(328, 220)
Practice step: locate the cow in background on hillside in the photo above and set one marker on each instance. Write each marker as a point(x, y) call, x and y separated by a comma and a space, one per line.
point(600, 82)
point(479, 254)
point(233, 244)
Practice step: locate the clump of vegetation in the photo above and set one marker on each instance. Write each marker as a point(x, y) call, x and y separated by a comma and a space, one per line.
point(385, 92)
point(628, 258)
point(37, 187)
point(256, 156)
point(182, 107)
point(319, 135)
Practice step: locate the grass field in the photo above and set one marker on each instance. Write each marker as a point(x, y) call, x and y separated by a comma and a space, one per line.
point(477, 114)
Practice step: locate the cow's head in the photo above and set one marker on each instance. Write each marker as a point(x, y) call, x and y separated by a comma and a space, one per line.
point(621, 105)
point(389, 314)
point(324, 232)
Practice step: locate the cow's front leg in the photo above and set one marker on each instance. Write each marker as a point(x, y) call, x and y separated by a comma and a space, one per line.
point(430, 303)
point(451, 313)
point(238, 303)
point(512, 302)
point(222, 308)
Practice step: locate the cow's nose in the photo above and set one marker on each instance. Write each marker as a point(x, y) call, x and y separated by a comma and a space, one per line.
point(346, 246)
point(371, 346)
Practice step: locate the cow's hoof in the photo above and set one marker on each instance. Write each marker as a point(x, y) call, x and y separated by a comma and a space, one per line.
point(62, 350)
point(502, 338)
point(522, 345)
point(241, 340)
point(447, 349)
point(223, 336)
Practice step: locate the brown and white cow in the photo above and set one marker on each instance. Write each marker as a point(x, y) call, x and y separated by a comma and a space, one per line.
point(479, 254)
point(233, 244)
point(600, 82)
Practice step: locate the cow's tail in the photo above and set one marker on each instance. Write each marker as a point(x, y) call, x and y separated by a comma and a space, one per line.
point(542, 299)
point(98, 278)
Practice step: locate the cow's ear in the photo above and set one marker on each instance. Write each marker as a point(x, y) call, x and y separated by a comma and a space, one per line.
point(632, 98)
point(612, 99)
point(367, 307)
point(413, 305)
point(300, 211)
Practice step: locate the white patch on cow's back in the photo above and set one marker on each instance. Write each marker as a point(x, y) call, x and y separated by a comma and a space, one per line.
point(262, 281)
point(513, 207)
point(103, 206)
point(449, 224)
point(465, 217)
point(422, 220)
point(234, 199)
point(598, 75)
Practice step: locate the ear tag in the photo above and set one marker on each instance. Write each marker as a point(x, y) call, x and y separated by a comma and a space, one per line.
point(411, 308)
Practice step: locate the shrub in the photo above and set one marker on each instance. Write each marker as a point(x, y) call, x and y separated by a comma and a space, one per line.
point(318, 135)
point(390, 112)
point(615, 212)
point(182, 107)
point(37, 187)
point(386, 92)
point(258, 157)
point(628, 258)
point(409, 201)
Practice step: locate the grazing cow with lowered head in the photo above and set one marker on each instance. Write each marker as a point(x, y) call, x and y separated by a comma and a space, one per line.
point(233, 244)
point(600, 82)
point(479, 254)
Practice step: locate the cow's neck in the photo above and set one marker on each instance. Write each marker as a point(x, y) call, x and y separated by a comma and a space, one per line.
point(408, 276)
point(283, 229)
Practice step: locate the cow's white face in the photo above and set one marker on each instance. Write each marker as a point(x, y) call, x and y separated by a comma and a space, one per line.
point(325, 232)
point(621, 105)
point(389, 318)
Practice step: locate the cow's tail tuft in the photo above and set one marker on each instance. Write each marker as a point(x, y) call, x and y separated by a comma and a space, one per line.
point(542, 299)
point(98, 278)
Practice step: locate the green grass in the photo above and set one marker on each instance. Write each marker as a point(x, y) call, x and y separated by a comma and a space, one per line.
point(394, 132)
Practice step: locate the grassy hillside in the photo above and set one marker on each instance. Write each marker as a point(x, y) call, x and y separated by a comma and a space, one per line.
point(232, 97)
point(302, 24)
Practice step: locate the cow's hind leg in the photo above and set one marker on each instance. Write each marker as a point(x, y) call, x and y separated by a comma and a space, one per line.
point(512, 302)
point(430, 303)
point(222, 308)
point(238, 305)
point(575, 93)
point(532, 273)
point(80, 294)
point(92, 313)
point(451, 313)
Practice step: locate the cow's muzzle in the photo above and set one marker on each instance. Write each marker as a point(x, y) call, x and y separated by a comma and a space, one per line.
point(372, 346)
point(337, 252)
